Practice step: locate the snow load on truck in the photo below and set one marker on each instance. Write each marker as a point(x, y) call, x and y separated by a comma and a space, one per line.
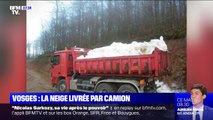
point(123, 49)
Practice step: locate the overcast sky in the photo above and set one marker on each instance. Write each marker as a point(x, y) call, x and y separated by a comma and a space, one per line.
point(38, 15)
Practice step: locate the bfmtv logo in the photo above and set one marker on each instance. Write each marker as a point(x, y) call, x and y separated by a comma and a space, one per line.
point(15, 9)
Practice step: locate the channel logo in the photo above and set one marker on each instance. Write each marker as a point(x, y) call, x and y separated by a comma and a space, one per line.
point(16, 9)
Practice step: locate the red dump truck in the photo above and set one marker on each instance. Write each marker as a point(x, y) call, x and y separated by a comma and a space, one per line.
point(109, 74)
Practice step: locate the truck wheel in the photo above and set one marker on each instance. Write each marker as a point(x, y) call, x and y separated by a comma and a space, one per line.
point(105, 88)
point(61, 86)
point(127, 89)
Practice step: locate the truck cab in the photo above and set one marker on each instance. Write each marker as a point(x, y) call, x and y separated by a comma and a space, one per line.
point(62, 67)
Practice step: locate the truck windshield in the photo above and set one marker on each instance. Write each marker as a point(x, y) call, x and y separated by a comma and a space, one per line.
point(56, 60)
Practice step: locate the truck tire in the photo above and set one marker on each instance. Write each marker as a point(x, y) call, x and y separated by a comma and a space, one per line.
point(61, 86)
point(127, 89)
point(105, 88)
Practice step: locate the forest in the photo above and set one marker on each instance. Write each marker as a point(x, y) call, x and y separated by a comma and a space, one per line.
point(95, 23)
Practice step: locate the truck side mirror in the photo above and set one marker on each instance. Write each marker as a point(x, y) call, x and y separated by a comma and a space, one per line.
point(51, 61)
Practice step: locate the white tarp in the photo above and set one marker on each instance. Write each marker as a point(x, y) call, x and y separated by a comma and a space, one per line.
point(123, 49)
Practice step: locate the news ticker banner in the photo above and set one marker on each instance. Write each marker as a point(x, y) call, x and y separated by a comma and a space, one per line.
point(167, 106)
point(84, 106)
point(91, 98)
point(180, 100)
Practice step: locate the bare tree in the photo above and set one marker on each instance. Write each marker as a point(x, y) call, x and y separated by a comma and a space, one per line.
point(99, 23)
